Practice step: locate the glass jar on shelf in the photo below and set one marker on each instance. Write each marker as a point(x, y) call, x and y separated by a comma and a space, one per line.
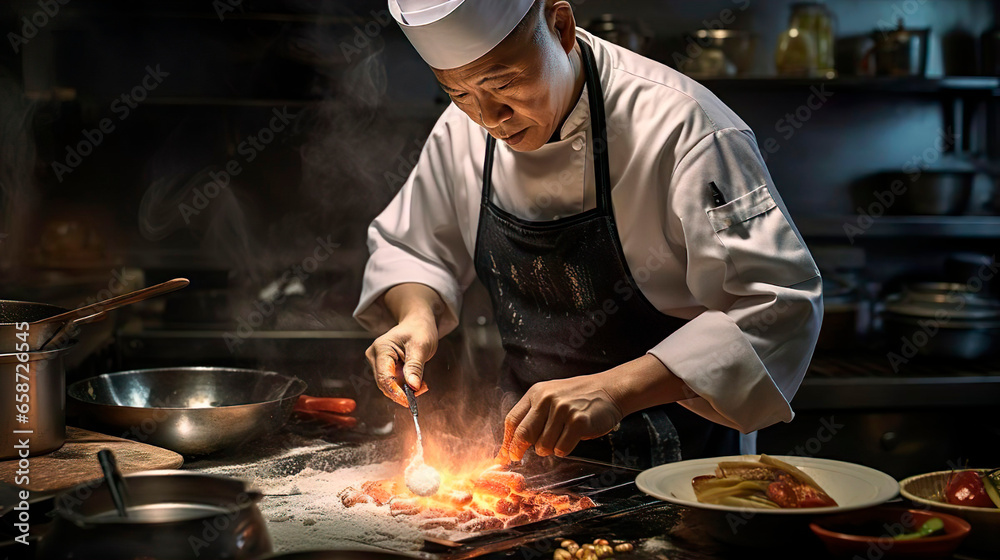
point(806, 47)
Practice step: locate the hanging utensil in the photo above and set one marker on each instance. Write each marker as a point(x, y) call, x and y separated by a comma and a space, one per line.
point(117, 301)
point(67, 329)
point(115, 481)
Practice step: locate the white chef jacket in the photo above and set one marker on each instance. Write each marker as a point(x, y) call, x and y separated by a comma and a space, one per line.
point(739, 272)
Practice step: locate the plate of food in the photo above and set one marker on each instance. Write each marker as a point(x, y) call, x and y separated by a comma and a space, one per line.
point(772, 485)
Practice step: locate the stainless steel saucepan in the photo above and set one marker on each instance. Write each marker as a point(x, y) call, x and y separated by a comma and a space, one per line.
point(13, 313)
point(190, 410)
point(172, 515)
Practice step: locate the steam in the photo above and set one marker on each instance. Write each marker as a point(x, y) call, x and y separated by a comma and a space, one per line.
point(18, 190)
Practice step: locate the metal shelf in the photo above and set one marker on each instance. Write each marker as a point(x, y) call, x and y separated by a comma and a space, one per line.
point(849, 227)
point(950, 84)
point(865, 380)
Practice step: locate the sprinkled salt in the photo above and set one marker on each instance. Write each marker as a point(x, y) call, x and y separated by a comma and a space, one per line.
point(422, 479)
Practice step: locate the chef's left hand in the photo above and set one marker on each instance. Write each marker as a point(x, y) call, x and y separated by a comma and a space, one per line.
point(555, 415)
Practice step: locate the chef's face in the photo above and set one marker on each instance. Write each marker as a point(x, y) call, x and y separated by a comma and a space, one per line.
point(521, 91)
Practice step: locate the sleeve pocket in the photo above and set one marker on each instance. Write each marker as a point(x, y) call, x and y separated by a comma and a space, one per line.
point(760, 242)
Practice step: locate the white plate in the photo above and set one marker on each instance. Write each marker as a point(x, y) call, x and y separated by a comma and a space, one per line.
point(852, 486)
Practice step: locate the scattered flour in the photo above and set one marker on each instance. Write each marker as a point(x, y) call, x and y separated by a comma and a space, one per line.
point(301, 503)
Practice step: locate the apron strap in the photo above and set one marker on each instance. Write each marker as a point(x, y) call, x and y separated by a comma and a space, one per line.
point(491, 143)
point(602, 167)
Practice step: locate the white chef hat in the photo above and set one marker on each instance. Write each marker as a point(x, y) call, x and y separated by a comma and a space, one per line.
point(453, 33)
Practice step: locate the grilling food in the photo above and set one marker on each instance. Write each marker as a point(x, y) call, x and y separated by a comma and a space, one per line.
point(493, 499)
point(767, 484)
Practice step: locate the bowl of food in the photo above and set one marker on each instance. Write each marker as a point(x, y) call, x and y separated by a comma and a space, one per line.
point(891, 532)
point(972, 494)
point(750, 500)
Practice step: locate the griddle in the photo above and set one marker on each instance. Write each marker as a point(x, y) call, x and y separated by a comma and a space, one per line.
point(611, 487)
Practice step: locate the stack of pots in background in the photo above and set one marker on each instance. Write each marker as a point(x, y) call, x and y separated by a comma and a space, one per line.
point(942, 319)
point(843, 314)
point(42, 371)
point(929, 193)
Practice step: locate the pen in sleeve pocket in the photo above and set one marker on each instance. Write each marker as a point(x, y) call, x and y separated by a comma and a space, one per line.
point(717, 197)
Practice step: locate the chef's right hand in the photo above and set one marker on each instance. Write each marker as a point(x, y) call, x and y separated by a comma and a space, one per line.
point(400, 354)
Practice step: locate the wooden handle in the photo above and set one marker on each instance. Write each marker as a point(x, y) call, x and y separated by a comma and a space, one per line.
point(119, 301)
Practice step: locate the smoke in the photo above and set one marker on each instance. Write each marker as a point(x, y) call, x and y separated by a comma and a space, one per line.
point(18, 190)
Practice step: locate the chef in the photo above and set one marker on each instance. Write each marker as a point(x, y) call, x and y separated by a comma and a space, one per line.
point(654, 299)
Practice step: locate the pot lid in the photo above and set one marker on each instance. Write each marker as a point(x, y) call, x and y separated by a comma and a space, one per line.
point(941, 300)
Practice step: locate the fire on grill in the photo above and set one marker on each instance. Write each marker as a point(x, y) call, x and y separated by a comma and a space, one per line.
point(493, 499)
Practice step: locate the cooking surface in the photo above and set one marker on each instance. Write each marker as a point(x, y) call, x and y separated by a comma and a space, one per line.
point(301, 476)
point(76, 461)
point(303, 508)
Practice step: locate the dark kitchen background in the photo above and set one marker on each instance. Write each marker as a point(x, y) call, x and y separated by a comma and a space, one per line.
point(247, 145)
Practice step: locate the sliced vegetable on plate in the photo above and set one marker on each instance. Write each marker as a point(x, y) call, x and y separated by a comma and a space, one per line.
point(768, 483)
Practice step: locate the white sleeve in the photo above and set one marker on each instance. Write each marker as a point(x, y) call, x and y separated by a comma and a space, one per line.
point(745, 356)
point(418, 238)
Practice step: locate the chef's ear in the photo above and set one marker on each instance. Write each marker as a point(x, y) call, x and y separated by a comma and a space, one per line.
point(562, 22)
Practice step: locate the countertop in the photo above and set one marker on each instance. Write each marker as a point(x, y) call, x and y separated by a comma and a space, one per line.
point(661, 531)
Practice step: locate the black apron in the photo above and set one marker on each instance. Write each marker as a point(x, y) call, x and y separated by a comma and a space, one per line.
point(566, 304)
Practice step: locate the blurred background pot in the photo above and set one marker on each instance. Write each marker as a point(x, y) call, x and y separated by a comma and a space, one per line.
point(724, 53)
point(929, 193)
point(944, 320)
point(990, 53)
point(901, 52)
point(841, 304)
point(173, 515)
point(625, 32)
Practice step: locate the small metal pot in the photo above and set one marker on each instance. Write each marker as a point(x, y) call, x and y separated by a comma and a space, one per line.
point(13, 313)
point(901, 52)
point(943, 320)
point(625, 32)
point(45, 404)
point(931, 193)
point(736, 46)
point(841, 302)
point(173, 515)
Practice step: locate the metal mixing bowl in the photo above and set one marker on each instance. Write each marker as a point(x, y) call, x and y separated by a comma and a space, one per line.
point(190, 410)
